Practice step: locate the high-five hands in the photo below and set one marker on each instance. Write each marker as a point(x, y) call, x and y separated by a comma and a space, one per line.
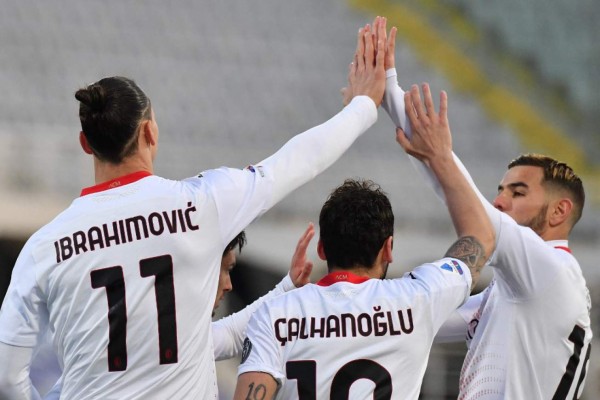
point(431, 137)
point(366, 75)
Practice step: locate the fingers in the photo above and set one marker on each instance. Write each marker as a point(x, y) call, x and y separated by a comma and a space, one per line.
point(306, 271)
point(429, 107)
point(301, 267)
point(444, 106)
point(391, 41)
point(381, 29)
point(306, 237)
point(417, 103)
point(369, 58)
point(360, 50)
point(380, 56)
point(402, 139)
point(409, 108)
point(390, 61)
point(304, 240)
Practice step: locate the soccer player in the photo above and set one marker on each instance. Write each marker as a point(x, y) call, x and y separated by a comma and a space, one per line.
point(228, 333)
point(355, 335)
point(126, 277)
point(528, 333)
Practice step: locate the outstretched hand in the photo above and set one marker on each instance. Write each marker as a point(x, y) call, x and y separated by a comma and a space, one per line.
point(431, 138)
point(366, 75)
point(302, 267)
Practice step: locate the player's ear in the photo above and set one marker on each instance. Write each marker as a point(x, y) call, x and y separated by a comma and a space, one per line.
point(388, 245)
point(321, 250)
point(148, 135)
point(84, 143)
point(560, 212)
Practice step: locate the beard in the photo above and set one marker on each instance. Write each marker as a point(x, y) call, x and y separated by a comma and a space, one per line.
point(538, 222)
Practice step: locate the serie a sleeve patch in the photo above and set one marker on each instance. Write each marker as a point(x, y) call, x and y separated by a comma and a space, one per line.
point(452, 266)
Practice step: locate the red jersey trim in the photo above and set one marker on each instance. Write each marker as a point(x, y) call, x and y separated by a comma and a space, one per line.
point(120, 181)
point(341, 276)
point(568, 250)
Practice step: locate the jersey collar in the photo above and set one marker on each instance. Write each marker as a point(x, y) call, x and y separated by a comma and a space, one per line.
point(113, 183)
point(341, 276)
point(560, 244)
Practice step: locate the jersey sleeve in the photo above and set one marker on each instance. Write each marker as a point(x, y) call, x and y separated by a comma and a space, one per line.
point(454, 328)
point(243, 195)
point(24, 315)
point(447, 283)
point(229, 332)
point(262, 352)
point(524, 263)
point(393, 102)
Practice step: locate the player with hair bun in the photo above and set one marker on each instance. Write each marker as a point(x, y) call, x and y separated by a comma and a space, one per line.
point(125, 279)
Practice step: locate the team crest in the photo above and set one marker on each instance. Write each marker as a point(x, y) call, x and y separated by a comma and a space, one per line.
point(246, 350)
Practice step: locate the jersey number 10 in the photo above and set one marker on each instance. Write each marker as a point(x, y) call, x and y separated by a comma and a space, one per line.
point(161, 268)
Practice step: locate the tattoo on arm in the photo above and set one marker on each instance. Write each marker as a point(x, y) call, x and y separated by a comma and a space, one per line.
point(470, 251)
point(258, 393)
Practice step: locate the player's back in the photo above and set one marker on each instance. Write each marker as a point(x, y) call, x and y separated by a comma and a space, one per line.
point(350, 339)
point(129, 276)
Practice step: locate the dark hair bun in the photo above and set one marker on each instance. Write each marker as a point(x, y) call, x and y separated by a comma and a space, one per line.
point(93, 97)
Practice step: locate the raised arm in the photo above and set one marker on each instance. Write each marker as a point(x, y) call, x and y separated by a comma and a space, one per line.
point(431, 143)
point(311, 152)
point(245, 195)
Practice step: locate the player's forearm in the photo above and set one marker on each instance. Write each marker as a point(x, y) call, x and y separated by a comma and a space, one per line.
point(254, 386)
point(311, 152)
point(433, 182)
point(468, 215)
point(393, 102)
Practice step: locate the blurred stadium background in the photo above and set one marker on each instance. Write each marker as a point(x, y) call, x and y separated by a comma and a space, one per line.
point(232, 81)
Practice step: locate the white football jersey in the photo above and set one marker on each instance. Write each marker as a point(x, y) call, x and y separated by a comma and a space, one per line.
point(126, 277)
point(348, 337)
point(530, 337)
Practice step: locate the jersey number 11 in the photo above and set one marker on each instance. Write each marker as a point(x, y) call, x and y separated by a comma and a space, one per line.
point(161, 268)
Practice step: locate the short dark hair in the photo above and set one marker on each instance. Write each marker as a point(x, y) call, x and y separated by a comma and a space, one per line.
point(354, 223)
point(557, 175)
point(110, 112)
point(239, 241)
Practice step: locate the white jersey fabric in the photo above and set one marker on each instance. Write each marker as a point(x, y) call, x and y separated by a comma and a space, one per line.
point(529, 332)
point(126, 277)
point(530, 337)
point(229, 332)
point(348, 337)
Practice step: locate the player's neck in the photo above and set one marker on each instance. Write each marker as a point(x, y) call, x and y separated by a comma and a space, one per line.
point(559, 233)
point(104, 171)
point(364, 272)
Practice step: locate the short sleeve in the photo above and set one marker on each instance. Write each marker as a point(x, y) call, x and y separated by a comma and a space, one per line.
point(524, 263)
point(448, 284)
point(262, 351)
